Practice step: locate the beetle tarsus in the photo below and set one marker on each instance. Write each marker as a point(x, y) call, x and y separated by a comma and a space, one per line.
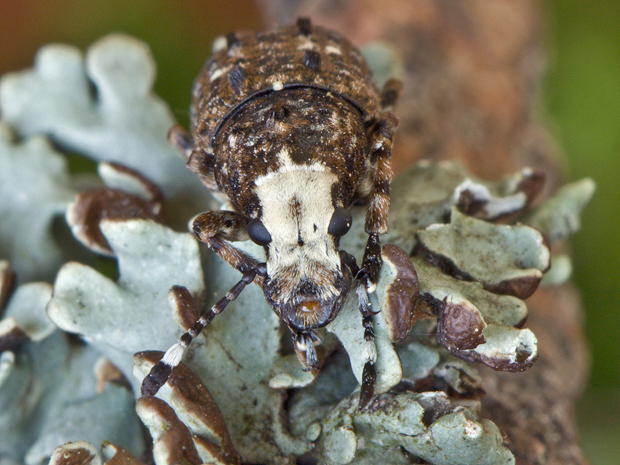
point(367, 391)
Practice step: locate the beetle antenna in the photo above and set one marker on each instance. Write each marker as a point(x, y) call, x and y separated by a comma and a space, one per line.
point(160, 372)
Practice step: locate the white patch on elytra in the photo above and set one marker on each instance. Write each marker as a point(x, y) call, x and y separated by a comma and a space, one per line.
point(306, 45)
point(309, 186)
point(333, 50)
point(219, 44)
point(215, 74)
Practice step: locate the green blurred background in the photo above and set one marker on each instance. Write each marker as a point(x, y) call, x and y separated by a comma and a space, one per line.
point(581, 100)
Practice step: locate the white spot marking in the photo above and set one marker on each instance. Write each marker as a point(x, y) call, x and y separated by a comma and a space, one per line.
point(219, 44)
point(333, 50)
point(215, 74)
point(306, 45)
point(277, 86)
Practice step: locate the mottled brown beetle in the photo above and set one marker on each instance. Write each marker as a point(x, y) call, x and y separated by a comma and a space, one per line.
point(289, 129)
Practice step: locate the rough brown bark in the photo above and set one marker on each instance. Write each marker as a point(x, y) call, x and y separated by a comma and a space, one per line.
point(471, 89)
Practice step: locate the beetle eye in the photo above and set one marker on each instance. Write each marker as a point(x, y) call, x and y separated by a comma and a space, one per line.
point(258, 232)
point(340, 222)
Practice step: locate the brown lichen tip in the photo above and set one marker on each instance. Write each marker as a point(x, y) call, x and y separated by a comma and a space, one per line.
point(75, 453)
point(11, 334)
point(186, 310)
point(397, 291)
point(505, 200)
point(460, 325)
point(477, 325)
point(506, 349)
point(172, 440)
point(128, 195)
point(195, 408)
point(116, 455)
point(7, 283)
point(106, 372)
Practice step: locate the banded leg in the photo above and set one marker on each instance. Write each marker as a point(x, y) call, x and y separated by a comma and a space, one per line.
point(380, 135)
point(305, 348)
point(369, 373)
point(161, 371)
point(377, 210)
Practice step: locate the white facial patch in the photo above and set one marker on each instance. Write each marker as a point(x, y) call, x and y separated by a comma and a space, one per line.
point(297, 207)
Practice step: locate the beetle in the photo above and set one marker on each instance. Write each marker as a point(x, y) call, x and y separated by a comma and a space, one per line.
point(290, 131)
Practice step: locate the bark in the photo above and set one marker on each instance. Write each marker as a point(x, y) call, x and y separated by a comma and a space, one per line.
point(472, 74)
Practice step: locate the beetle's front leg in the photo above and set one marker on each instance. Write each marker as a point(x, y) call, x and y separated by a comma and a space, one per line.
point(377, 210)
point(161, 370)
point(369, 373)
point(216, 228)
point(305, 347)
point(380, 133)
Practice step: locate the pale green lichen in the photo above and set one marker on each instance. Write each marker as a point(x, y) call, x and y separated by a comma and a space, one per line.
point(118, 318)
point(559, 216)
point(35, 189)
point(483, 252)
point(122, 121)
point(242, 358)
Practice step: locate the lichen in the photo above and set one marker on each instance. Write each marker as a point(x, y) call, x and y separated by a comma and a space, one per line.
point(47, 396)
point(35, 188)
point(450, 293)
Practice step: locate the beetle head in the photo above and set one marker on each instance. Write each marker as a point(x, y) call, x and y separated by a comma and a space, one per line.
point(300, 227)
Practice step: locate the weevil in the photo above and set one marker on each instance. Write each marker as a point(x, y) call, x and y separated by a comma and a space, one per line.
point(289, 129)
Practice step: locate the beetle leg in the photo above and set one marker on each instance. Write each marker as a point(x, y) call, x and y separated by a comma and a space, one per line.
point(390, 93)
point(306, 350)
point(377, 211)
point(380, 133)
point(199, 161)
point(216, 228)
point(160, 372)
point(369, 351)
point(369, 375)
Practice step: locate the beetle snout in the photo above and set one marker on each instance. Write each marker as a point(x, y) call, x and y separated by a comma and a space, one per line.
point(308, 307)
point(311, 313)
point(310, 301)
point(313, 310)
